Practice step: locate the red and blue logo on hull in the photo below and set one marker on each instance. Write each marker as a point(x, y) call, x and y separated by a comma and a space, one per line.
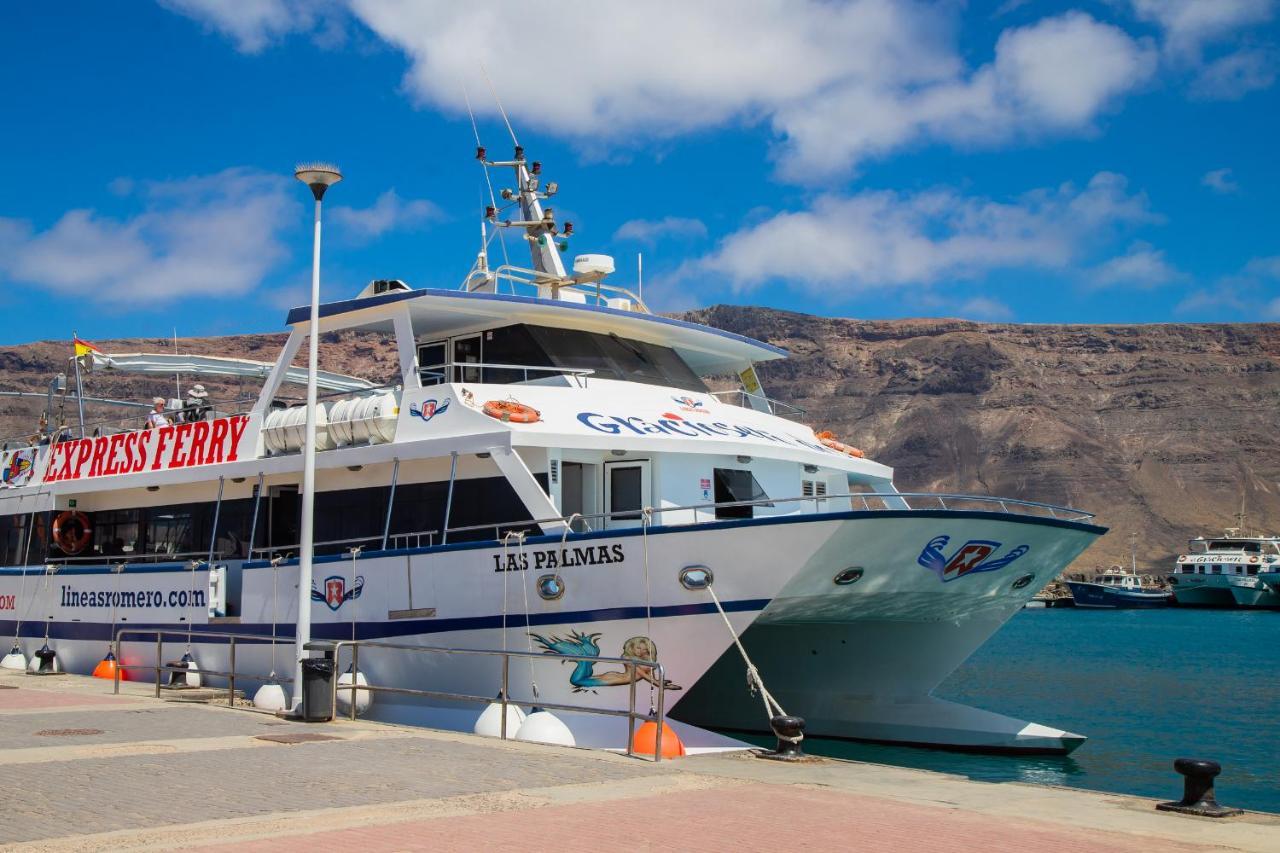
point(970, 558)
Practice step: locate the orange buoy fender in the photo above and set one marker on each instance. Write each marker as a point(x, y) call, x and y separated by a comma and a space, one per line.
point(646, 739)
point(509, 411)
point(106, 667)
point(72, 531)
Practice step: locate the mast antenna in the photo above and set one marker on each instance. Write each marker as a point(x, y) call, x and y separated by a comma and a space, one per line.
point(498, 101)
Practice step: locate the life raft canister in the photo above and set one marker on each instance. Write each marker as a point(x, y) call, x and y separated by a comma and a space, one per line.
point(72, 532)
point(512, 412)
point(828, 439)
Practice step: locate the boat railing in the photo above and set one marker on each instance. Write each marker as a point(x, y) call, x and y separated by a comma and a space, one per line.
point(865, 501)
point(411, 539)
point(740, 397)
point(182, 635)
point(199, 557)
point(438, 374)
point(631, 665)
point(522, 281)
point(129, 423)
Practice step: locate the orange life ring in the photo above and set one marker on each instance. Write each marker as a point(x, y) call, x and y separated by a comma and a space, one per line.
point(828, 439)
point(72, 532)
point(511, 411)
point(1253, 559)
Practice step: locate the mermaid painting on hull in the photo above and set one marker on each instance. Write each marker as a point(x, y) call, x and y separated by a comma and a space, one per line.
point(584, 677)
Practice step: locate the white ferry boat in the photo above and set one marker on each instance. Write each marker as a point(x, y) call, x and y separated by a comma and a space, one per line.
point(1224, 572)
point(549, 471)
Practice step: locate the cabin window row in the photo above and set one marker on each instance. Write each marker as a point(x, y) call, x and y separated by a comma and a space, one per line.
point(342, 519)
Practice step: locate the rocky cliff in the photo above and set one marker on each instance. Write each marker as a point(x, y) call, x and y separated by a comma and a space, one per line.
point(1162, 430)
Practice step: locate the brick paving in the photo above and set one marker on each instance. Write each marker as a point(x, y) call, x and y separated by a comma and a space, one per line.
point(166, 775)
point(760, 817)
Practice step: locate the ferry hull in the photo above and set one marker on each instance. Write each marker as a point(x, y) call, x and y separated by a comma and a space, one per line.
point(620, 596)
point(1202, 591)
point(860, 661)
point(1252, 592)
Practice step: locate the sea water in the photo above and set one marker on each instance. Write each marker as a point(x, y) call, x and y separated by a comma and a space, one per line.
point(1145, 686)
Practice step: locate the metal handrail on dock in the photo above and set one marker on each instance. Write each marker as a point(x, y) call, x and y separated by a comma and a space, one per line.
point(657, 716)
point(184, 636)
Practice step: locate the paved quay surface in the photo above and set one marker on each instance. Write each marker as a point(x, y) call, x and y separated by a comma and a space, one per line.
point(84, 770)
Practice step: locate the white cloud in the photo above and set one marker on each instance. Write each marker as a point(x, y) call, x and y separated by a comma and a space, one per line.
point(1142, 267)
point(1054, 76)
point(652, 231)
point(1220, 181)
point(1246, 295)
point(1190, 24)
point(878, 238)
point(839, 81)
point(216, 234)
point(1231, 77)
point(985, 308)
point(254, 24)
point(388, 213)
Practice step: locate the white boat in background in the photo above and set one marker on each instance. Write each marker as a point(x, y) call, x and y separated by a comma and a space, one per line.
point(1224, 571)
point(546, 471)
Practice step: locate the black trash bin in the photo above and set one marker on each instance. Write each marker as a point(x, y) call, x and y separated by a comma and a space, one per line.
point(317, 689)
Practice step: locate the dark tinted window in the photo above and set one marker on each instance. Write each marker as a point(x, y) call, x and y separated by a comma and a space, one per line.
point(737, 485)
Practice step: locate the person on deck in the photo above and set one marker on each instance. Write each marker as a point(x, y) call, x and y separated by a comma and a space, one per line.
point(157, 418)
point(197, 404)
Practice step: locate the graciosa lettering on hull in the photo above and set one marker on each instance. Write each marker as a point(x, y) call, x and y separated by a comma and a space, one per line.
point(181, 446)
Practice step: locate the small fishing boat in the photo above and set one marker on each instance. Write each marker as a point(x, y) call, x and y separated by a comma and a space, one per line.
point(1117, 588)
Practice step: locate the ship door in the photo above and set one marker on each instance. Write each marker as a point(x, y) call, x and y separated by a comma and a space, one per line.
point(284, 519)
point(466, 351)
point(626, 492)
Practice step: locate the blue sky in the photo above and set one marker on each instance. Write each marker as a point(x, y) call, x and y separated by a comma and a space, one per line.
point(1094, 161)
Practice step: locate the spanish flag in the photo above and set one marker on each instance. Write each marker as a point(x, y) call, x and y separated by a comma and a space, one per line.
point(84, 347)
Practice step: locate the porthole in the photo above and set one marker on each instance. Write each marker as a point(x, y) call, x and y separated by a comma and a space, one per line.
point(853, 574)
point(551, 587)
point(1023, 581)
point(696, 577)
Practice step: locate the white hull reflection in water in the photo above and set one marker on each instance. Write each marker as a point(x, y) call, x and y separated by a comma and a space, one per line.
point(542, 468)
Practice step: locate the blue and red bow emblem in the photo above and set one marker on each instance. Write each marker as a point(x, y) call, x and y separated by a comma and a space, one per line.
point(336, 592)
point(430, 408)
point(968, 559)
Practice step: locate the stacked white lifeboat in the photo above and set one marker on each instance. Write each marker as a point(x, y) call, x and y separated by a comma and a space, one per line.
point(367, 419)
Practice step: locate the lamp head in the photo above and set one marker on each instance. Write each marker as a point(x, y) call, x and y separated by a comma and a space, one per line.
point(318, 176)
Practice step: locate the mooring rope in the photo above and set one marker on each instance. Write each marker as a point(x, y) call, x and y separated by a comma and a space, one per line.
point(646, 518)
point(275, 574)
point(191, 601)
point(115, 600)
point(754, 682)
point(22, 596)
point(49, 571)
point(528, 627)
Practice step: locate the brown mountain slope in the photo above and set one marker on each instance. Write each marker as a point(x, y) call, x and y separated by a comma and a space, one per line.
point(1159, 429)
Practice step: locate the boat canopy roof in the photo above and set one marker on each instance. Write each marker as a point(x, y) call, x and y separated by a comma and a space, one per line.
point(435, 313)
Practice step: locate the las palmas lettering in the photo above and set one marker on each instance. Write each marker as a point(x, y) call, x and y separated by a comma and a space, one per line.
point(181, 446)
point(555, 558)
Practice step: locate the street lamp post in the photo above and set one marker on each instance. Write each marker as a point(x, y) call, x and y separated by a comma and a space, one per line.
point(318, 177)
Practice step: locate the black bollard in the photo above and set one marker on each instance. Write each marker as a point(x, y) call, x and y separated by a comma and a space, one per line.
point(790, 732)
point(1197, 790)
